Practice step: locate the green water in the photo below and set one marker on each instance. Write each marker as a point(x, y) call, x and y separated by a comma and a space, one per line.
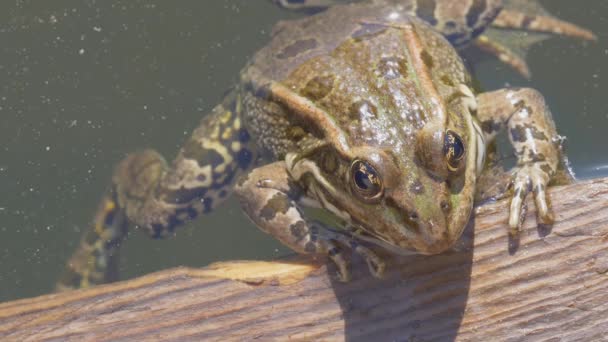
point(85, 82)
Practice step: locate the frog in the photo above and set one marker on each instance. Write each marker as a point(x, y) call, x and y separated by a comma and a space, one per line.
point(363, 110)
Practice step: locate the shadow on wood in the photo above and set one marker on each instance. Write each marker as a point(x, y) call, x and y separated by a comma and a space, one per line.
point(555, 285)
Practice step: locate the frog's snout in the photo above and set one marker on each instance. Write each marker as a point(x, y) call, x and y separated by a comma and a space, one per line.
point(435, 236)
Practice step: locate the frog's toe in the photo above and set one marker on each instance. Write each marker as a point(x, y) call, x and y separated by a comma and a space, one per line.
point(525, 179)
point(543, 210)
point(343, 264)
point(375, 264)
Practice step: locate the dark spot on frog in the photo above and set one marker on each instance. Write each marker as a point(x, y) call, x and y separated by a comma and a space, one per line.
point(416, 187)
point(392, 67)
point(447, 80)
point(279, 203)
point(518, 133)
point(207, 204)
point(362, 109)
point(368, 31)
point(243, 135)
point(427, 59)
point(527, 20)
point(521, 105)
point(547, 169)
point(295, 133)
point(490, 126)
point(110, 216)
point(244, 158)
point(318, 87)
point(222, 179)
point(536, 134)
point(222, 194)
point(536, 157)
point(295, 192)
point(297, 48)
point(450, 25)
point(193, 150)
point(298, 230)
point(426, 11)
point(445, 206)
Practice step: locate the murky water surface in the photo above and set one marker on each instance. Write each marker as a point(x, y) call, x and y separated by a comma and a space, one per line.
point(82, 83)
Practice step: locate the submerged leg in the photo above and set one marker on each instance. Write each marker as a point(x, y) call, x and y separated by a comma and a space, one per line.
point(513, 19)
point(270, 199)
point(95, 260)
point(531, 130)
point(157, 197)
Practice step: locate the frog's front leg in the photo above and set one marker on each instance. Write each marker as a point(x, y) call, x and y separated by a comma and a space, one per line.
point(271, 199)
point(531, 130)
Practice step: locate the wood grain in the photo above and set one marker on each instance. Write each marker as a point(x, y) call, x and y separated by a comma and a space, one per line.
point(553, 285)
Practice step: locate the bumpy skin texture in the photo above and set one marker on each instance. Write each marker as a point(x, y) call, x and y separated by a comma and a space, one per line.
point(364, 110)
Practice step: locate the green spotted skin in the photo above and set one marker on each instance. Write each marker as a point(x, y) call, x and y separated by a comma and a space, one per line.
point(364, 110)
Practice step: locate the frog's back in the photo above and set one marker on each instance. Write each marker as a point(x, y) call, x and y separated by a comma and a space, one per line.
point(369, 68)
point(298, 41)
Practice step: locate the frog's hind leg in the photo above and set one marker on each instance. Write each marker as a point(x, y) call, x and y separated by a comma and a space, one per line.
point(531, 130)
point(96, 259)
point(511, 48)
point(157, 197)
point(519, 20)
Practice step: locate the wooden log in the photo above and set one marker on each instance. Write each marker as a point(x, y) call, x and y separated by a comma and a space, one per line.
point(553, 286)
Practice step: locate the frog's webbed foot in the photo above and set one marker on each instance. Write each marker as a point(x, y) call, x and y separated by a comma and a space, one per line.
point(504, 54)
point(511, 48)
point(537, 146)
point(526, 178)
point(271, 200)
point(518, 20)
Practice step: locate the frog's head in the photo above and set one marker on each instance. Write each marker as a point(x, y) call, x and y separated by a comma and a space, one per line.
point(415, 196)
point(419, 200)
point(392, 147)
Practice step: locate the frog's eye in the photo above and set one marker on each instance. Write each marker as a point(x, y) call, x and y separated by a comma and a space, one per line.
point(453, 149)
point(366, 181)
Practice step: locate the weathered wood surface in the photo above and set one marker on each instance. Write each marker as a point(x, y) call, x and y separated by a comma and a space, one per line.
point(554, 286)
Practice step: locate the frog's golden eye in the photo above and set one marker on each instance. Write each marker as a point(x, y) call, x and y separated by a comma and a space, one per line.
point(453, 149)
point(366, 181)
